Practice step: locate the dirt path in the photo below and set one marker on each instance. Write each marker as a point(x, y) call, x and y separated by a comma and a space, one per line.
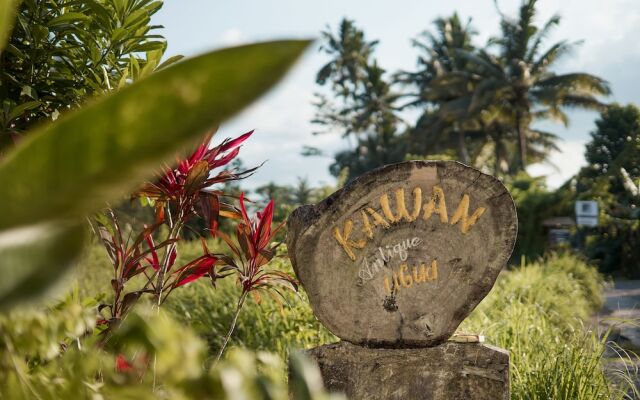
point(621, 313)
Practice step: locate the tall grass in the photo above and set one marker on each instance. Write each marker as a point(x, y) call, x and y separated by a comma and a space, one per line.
point(276, 325)
point(537, 312)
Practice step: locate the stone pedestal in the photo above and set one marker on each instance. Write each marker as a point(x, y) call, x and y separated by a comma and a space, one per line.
point(450, 371)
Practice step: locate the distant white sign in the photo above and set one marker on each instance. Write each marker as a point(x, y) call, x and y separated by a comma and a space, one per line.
point(587, 213)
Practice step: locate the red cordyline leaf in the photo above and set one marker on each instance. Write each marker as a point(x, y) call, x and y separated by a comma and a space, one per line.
point(122, 364)
point(262, 234)
point(153, 257)
point(173, 181)
point(235, 142)
point(243, 209)
point(196, 269)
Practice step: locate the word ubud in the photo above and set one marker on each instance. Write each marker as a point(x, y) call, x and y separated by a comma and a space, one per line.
point(406, 277)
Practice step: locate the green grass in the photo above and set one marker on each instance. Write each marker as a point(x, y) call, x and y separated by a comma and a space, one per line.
point(536, 311)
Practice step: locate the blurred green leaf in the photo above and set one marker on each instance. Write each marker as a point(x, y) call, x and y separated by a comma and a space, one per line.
point(69, 18)
point(21, 108)
point(33, 258)
point(305, 381)
point(99, 153)
point(7, 16)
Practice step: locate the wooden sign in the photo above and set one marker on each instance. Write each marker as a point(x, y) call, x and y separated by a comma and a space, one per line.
point(404, 253)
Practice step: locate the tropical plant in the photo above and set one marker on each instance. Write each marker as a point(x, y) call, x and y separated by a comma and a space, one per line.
point(612, 178)
point(174, 197)
point(520, 84)
point(365, 111)
point(61, 53)
point(182, 193)
point(252, 250)
point(440, 89)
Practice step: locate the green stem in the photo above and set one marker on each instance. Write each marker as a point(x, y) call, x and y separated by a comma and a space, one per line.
point(173, 234)
point(233, 324)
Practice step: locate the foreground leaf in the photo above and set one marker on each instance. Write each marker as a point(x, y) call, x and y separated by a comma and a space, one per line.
point(97, 154)
point(7, 16)
point(33, 258)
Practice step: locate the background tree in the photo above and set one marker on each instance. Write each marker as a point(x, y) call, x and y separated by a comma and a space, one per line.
point(520, 83)
point(614, 146)
point(364, 109)
point(612, 177)
point(439, 126)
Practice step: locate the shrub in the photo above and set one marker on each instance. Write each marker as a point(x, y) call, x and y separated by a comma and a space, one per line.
point(51, 354)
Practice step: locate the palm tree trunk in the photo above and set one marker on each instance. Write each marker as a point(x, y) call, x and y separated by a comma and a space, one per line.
point(496, 155)
point(462, 148)
point(522, 141)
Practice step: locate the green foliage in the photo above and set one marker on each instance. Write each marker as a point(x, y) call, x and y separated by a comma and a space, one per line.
point(34, 257)
point(7, 16)
point(50, 354)
point(612, 178)
point(63, 52)
point(535, 203)
point(536, 312)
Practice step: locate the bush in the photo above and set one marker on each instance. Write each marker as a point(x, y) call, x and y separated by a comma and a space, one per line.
point(50, 353)
point(534, 203)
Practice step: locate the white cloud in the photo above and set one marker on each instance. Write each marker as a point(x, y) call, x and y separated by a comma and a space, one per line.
point(562, 164)
point(233, 37)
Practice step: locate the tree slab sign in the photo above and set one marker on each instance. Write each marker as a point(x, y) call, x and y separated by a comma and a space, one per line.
point(401, 255)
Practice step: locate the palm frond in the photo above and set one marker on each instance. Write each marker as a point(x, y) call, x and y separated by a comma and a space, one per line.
point(577, 82)
point(553, 54)
point(540, 36)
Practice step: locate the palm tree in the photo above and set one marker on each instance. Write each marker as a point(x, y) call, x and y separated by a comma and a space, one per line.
point(302, 192)
point(442, 88)
point(363, 105)
point(519, 81)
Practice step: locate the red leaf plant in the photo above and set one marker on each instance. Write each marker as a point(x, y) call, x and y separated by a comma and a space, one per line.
point(179, 194)
point(252, 251)
point(185, 191)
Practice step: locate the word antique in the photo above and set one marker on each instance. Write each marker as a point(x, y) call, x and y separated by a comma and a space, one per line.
point(382, 257)
point(372, 219)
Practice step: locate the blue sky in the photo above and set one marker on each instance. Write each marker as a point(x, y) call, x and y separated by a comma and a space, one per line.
point(611, 49)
